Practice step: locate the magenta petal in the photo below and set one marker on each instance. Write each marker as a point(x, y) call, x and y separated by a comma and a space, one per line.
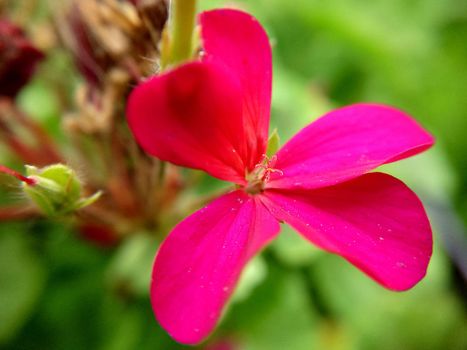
point(237, 41)
point(347, 143)
point(192, 116)
point(198, 265)
point(374, 221)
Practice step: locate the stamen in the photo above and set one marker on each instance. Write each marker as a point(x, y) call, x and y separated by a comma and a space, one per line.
point(269, 171)
point(262, 174)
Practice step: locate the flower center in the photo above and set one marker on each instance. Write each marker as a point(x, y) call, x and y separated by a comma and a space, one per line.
point(261, 174)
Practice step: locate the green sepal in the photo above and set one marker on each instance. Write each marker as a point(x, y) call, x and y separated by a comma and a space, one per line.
point(273, 143)
point(84, 202)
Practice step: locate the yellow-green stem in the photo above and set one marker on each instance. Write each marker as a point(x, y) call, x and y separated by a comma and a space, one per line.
point(177, 46)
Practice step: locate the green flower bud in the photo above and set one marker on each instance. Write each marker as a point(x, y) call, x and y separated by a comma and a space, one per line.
point(56, 190)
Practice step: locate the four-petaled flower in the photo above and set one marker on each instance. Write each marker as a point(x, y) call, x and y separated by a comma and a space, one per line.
point(213, 114)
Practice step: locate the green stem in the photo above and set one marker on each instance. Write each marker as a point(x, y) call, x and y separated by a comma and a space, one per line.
point(179, 38)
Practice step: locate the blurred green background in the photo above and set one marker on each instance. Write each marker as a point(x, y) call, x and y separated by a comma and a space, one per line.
point(57, 291)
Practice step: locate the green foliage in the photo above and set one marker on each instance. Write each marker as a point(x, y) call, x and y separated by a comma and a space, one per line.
point(22, 279)
point(131, 266)
point(60, 292)
point(278, 314)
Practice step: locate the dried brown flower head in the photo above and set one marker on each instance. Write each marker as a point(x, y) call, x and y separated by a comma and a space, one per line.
point(108, 34)
point(114, 44)
point(18, 59)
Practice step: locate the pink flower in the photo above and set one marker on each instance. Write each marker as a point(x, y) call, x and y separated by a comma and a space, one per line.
point(213, 115)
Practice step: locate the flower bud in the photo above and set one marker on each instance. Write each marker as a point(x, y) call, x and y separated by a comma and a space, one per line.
point(57, 190)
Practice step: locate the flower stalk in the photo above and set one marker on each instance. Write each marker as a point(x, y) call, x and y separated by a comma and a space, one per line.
point(27, 180)
point(177, 42)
